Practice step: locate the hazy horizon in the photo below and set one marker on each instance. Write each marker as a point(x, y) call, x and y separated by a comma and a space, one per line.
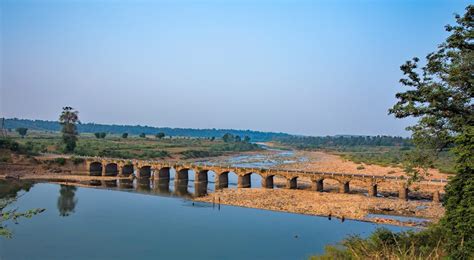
point(311, 68)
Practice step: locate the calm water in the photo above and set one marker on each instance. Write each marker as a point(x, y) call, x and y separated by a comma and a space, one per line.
point(97, 223)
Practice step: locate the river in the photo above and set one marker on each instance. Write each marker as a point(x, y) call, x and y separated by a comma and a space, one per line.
point(145, 223)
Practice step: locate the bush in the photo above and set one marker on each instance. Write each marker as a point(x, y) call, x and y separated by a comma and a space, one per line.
point(60, 161)
point(77, 161)
point(385, 244)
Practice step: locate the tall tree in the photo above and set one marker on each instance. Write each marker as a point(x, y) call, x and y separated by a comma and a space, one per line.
point(440, 95)
point(68, 119)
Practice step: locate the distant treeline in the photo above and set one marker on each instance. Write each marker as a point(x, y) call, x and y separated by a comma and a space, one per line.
point(14, 123)
point(309, 142)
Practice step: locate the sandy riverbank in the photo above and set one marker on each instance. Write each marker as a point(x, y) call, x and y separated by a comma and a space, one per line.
point(338, 205)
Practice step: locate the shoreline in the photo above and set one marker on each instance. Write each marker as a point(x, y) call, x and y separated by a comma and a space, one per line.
point(304, 202)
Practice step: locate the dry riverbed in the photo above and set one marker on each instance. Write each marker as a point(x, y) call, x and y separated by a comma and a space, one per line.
point(348, 206)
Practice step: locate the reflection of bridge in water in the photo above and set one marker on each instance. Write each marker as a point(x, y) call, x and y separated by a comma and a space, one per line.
point(160, 172)
point(153, 186)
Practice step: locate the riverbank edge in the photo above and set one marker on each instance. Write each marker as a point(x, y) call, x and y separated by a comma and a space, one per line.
point(76, 179)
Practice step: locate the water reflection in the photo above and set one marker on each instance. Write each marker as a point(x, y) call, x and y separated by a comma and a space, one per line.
point(10, 189)
point(161, 186)
point(185, 188)
point(67, 201)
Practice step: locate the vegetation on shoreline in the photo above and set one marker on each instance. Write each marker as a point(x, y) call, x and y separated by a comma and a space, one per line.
point(127, 148)
point(379, 150)
point(440, 96)
point(8, 194)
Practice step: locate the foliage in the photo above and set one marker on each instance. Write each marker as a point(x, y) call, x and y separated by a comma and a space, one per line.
point(77, 160)
point(136, 130)
point(125, 135)
point(394, 156)
point(68, 119)
point(316, 142)
point(100, 135)
point(59, 160)
point(160, 135)
point(8, 195)
point(28, 148)
point(459, 202)
point(384, 244)
point(198, 154)
point(142, 135)
point(22, 131)
point(440, 95)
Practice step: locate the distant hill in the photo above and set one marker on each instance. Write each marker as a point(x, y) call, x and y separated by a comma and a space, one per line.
point(12, 123)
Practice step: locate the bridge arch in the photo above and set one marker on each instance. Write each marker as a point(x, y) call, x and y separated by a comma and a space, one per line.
point(144, 171)
point(267, 181)
point(226, 179)
point(292, 182)
point(201, 175)
point(163, 173)
point(127, 170)
point(95, 169)
point(182, 174)
point(111, 169)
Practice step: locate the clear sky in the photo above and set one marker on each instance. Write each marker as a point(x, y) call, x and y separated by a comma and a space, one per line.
point(303, 67)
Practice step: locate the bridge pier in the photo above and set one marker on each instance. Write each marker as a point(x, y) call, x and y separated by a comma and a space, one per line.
point(317, 185)
point(200, 176)
point(267, 182)
point(403, 193)
point(344, 187)
point(291, 183)
point(436, 197)
point(244, 181)
point(372, 190)
point(222, 181)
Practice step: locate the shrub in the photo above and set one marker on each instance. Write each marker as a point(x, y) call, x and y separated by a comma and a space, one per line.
point(60, 161)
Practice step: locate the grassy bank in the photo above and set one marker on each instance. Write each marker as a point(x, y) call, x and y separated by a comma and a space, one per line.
point(148, 147)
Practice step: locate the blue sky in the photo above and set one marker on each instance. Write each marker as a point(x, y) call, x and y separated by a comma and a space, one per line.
point(303, 67)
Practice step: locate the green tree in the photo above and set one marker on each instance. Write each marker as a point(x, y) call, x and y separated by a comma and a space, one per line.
point(237, 138)
point(125, 135)
point(247, 139)
point(440, 95)
point(142, 135)
point(228, 138)
point(22, 131)
point(160, 135)
point(68, 119)
point(97, 135)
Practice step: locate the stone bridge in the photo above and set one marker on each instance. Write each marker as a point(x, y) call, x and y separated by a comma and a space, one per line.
point(161, 171)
